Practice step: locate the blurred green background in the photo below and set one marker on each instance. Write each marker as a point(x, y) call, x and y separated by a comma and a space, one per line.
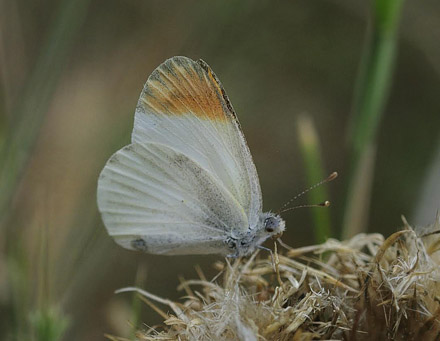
point(71, 73)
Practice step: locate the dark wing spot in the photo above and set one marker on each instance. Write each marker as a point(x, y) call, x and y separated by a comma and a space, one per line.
point(139, 245)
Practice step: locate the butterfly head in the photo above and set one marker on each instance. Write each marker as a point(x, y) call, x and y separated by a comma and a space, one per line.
point(270, 226)
point(273, 224)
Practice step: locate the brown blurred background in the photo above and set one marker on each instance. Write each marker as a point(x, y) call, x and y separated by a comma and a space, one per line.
point(79, 66)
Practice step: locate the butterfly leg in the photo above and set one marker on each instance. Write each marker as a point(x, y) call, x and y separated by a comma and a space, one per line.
point(232, 245)
point(271, 254)
point(233, 255)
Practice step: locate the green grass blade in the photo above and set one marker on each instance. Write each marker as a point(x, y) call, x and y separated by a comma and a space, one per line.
point(48, 325)
point(371, 94)
point(311, 153)
point(28, 115)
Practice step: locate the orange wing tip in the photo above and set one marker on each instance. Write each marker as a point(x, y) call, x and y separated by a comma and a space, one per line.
point(181, 86)
point(219, 86)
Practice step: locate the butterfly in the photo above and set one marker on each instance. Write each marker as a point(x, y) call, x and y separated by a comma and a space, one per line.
point(187, 183)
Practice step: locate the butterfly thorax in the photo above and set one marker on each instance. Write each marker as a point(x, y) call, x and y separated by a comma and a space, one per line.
point(269, 225)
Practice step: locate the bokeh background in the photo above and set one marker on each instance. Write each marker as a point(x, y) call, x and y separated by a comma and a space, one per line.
point(71, 73)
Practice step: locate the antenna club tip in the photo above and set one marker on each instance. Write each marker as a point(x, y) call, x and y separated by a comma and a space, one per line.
point(332, 176)
point(326, 203)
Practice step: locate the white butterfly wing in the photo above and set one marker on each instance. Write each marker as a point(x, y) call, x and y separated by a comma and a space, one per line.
point(184, 106)
point(155, 199)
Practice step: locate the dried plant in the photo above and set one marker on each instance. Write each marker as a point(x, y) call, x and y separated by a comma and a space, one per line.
point(366, 288)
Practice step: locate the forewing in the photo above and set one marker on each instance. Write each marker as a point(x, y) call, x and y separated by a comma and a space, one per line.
point(156, 199)
point(184, 106)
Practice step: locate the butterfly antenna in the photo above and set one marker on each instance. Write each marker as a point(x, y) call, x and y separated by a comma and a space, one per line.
point(331, 177)
point(323, 204)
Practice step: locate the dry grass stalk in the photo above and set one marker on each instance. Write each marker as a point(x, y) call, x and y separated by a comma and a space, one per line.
point(366, 288)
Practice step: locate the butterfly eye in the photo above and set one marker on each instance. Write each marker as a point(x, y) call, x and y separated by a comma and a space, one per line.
point(269, 224)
